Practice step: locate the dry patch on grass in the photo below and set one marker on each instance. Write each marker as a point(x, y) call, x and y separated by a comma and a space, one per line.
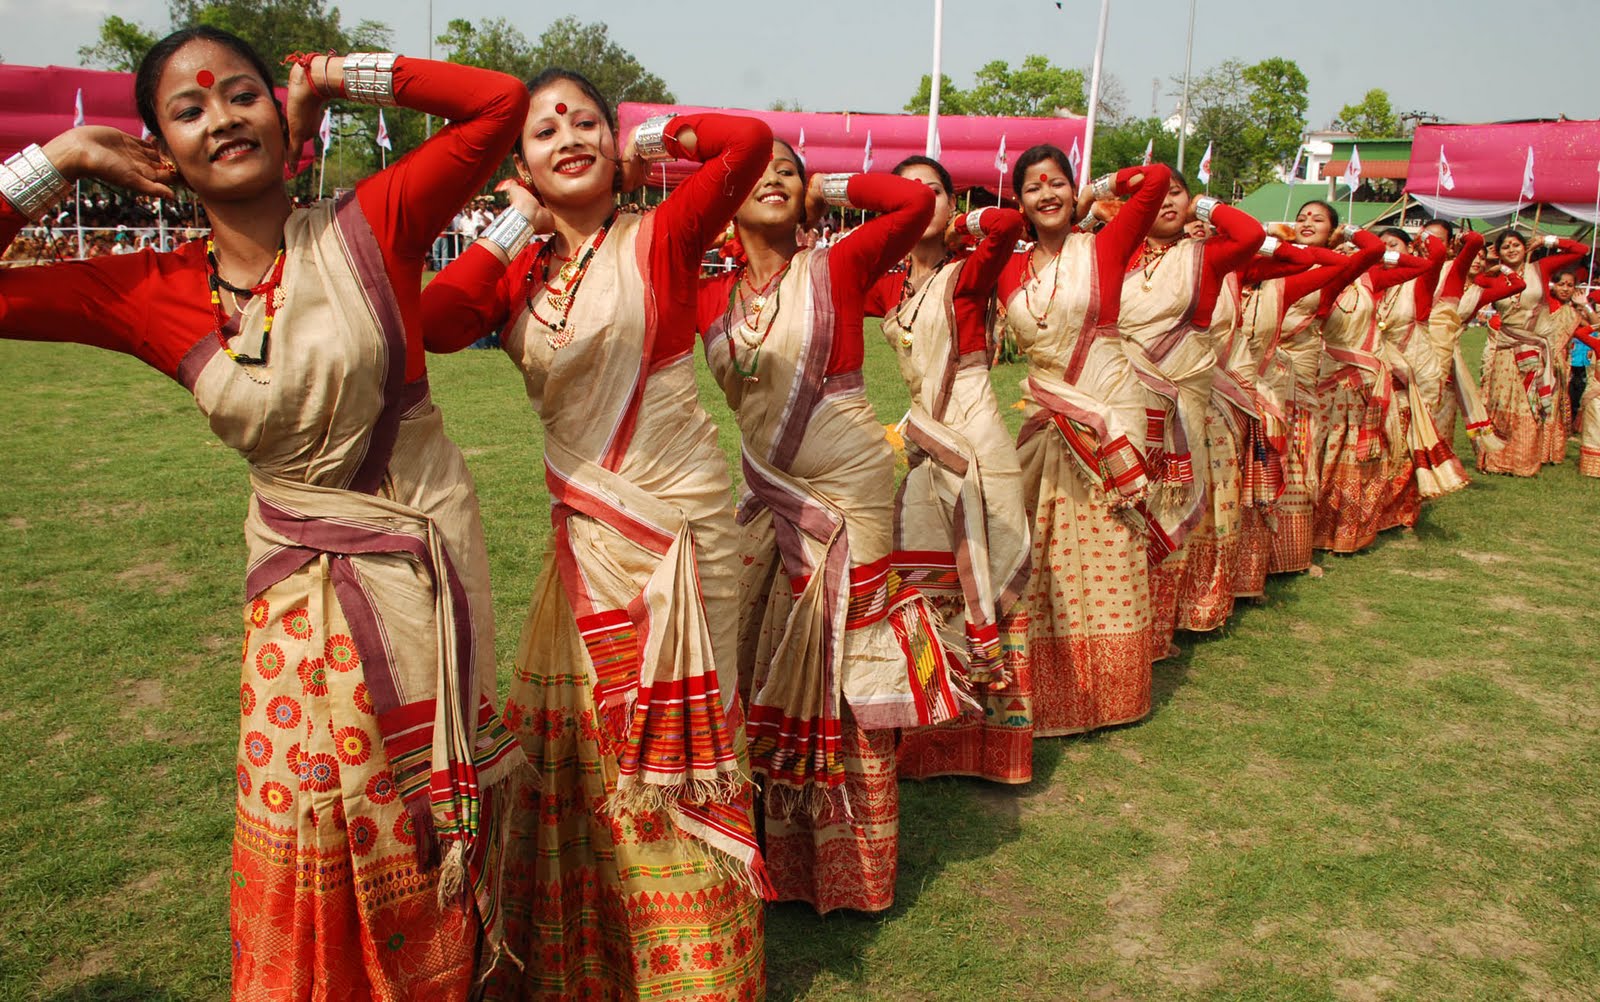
point(17, 522)
point(155, 575)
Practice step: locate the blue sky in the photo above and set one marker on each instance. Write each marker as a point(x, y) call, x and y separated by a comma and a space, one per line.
point(1467, 60)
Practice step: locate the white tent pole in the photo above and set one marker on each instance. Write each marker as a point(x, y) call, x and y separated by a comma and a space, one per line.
point(1094, 90)
point(1183, 109)
point(937, 78)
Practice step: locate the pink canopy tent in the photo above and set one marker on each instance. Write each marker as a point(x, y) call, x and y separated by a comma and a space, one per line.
point(1487, 164)
point(836, 141)
point(36, 102)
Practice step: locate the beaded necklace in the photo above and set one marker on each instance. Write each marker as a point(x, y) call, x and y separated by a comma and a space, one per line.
point(271, 287)
point(749, 332)
point(906, 328)
point(1151, 259)
point(558, 334)
point(1042, 319)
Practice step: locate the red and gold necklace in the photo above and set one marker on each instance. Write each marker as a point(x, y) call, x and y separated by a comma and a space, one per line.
point(571, 274)
point(1042, 319)
point(271, 288)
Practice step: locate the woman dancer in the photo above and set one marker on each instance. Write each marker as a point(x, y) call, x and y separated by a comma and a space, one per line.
point(624, 693)
point(1589, 415)
point(961, 533)
point(833, 658)
point(1082, 446)
point(370, 753)
point(1169, 296)
point(1563, 314)
point(1462, 288)
point(1516, 377)
point(1432, 469)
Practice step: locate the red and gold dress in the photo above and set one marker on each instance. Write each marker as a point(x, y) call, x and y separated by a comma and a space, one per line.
point(632, 867)
point(834, 654)
point(1085, 476)
point(960, 529)
point(1454, 304)
point(371, 757)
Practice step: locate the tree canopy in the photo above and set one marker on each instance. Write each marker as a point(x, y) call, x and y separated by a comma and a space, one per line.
point(585, 48)
point(1252, 116)
point(1035, 88)
point(1372, 117)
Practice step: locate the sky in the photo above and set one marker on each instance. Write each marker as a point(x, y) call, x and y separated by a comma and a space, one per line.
point(1464, 60)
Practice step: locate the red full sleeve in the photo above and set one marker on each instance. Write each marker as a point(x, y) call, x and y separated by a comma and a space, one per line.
point(857, 261)
point(1499, 286)
point(1286, 259)
point(1238, 237)
point(409, 203)
point(733, 152)
point(1002, 228)
point(1369, 250)
point(472, 297)
point(1455, 279)
point(1114, 244)
point(1567, 251)
point(1586, 335)
point(1409, 266)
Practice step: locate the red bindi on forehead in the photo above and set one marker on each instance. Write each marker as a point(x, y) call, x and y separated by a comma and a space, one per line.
point(1043, 177)
point(561, 107)
point(205, 78)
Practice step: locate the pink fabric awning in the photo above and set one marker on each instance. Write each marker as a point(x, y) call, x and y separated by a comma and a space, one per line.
point(1487, 164)
point(836, 141)
point(36, 102)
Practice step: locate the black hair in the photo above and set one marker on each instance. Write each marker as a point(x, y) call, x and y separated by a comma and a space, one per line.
point(1333, 214)
point(554, 74)
point(1576, 271)
point(799, 161)
point(938, 168)
point(1037, 155)
point(1398, 233)
point(155, 62)
point(1449, 227)
point(1182, 182)
point(1506, 234)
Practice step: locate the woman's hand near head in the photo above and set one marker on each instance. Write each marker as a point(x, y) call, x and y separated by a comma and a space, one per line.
point(101, 153)
point(527, 203)
point(311, 83)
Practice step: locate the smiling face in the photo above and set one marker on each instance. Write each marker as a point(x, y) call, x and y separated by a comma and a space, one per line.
point(1313, 226)
point(219, 123)
point(1048, 198)
point(1564, 286)
point(778, 199)
point(1174, 210)
point(568, 149)
point(1512, 251)
point(941, 198)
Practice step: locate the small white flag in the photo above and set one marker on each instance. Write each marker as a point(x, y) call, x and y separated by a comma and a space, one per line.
point(1527, 177)
point(325, 130)
point(1294, 171)
point(1352, 171)
point(866, 157)
point(1149, 151)
point(1446, 181)
point(1203, 172)
point(1000, 155)
point(801, 148)
point(1075, 159)
point(77, 109)
point(383, 132)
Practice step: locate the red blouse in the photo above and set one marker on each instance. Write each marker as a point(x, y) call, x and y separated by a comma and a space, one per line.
point(477, 294)
point(1455, 280)
point(1002, 228)
point(855, 262)
point(1385, 277)
point(1237, 239)
point(156, 306)
point(1499, 286)
point(1369, 251)
point(1114, 243)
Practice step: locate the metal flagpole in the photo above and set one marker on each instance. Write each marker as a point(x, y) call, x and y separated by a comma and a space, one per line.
point(1183, 109)
point(77, 212)
point(936, 79)
point(427, 120)
point(1094, 90)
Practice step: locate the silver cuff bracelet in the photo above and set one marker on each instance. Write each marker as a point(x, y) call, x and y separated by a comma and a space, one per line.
point(1103, 187)
point(1204, 206)
point(836, 189)
point(974, 226)
point(510, 232)
point(1391, 258)
point(650, 139)
point(369, 77)
point(31, 183)
point(1269, 247)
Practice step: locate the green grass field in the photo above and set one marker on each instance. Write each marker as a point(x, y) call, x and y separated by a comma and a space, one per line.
point(1380, 783)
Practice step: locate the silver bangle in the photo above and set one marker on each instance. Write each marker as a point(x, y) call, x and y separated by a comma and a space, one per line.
point(1391, 258)
point(1204, 206)
point(1550, 240)
point(975, 227)
point(836, 189)
point(31, 183)
point(369, 78)
point(650, 139)
point(1103, 187)
point(510, 232)
point(1269, 246)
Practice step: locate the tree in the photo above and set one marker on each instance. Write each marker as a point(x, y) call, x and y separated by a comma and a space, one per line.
point(1372, 118)
point(493, 44)
point(952, 101)
point(1035, 89)
point(1252, 116)
point(588, 49)
point(122, 44)
point(1278, 104)
point(1122, 144)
